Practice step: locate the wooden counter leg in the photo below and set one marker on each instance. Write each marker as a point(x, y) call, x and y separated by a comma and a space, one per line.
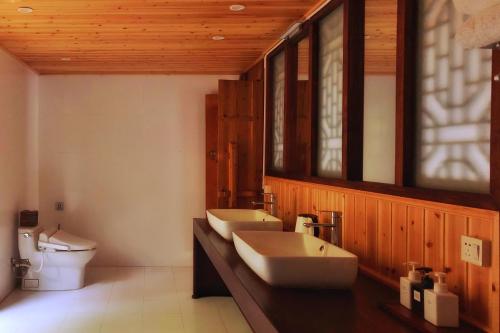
point(206, 279)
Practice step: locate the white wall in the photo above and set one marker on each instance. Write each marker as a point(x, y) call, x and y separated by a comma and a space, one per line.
point(18, 156)
point(379, 129)
point(127, 156)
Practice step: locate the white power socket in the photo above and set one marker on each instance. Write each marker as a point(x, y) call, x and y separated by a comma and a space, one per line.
point(475, 251)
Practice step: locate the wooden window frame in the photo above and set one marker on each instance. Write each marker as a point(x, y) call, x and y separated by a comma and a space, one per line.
point(292, 54)
point(353, 114)
point(270, 113)
point(406, 113)
point(353, 95)
point(353, 87)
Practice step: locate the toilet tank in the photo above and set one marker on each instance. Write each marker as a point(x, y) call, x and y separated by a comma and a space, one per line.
point(27, 238)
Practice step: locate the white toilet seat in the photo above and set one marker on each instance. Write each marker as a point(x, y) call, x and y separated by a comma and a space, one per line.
point(59, 240)
point(48, 247)
point(57, 258)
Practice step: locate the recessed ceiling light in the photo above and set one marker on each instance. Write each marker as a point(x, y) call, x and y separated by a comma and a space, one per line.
point(65, 59)
point(25, 10)
point(237, 8)
point(217, 37)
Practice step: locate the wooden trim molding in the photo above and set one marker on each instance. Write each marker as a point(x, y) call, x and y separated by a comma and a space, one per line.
point(290, 134)
point(314, 95)
point(406, 73)
point(473, 200)
point(354, 77)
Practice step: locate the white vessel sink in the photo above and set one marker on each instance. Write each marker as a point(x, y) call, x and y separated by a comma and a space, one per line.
point(290, 259)
point(225, 221)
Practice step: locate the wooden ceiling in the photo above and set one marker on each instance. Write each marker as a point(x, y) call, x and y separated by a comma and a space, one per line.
point(144, 36)
point(158, 36)
point(380, 36)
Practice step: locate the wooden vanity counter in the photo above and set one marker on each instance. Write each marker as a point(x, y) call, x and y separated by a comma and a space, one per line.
point(219, 271)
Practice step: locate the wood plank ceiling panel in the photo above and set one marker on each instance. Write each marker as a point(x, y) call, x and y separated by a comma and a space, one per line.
point(380, 36)
point(173, 37)
point(143, 36)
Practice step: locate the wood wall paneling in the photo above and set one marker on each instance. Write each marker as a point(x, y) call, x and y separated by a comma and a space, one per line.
point(384, 237)
point(360, 227)
point(479, 287)
point(385, 231)
point(415, 227)
point(349, 227)
point(399, 242)
point(371, 207)
point(434, 237)
point(454, 227)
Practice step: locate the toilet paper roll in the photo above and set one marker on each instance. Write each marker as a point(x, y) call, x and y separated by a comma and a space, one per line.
point(300, 228)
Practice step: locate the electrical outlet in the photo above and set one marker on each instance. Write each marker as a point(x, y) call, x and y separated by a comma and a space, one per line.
point(59, 206)
point(475, 251)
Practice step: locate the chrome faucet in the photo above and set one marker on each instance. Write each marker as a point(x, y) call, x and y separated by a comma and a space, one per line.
point(269, 199)
point(335, 224)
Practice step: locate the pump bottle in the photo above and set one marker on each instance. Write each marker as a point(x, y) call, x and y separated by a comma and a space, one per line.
point(441, 306)
point(406, 284)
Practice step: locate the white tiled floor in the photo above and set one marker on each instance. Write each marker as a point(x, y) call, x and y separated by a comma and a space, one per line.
point(122, 300)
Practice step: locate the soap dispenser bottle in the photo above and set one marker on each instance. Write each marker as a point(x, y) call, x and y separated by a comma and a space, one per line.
point(417, 302)
point(441, 306)
point(406, 284)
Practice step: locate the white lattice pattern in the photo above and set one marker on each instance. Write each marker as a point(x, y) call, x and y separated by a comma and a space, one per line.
point(454, 105)
point(278, 109)
point(330, 94)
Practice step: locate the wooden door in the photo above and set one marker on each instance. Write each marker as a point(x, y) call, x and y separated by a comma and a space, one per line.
point(240, 142)
point(211, 133)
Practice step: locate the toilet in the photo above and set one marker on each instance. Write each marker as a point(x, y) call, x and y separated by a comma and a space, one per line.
point(57, 258)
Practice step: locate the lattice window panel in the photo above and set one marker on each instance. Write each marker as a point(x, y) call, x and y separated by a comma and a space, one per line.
point(278, 109)
point(330, 94)
point(454, 104)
